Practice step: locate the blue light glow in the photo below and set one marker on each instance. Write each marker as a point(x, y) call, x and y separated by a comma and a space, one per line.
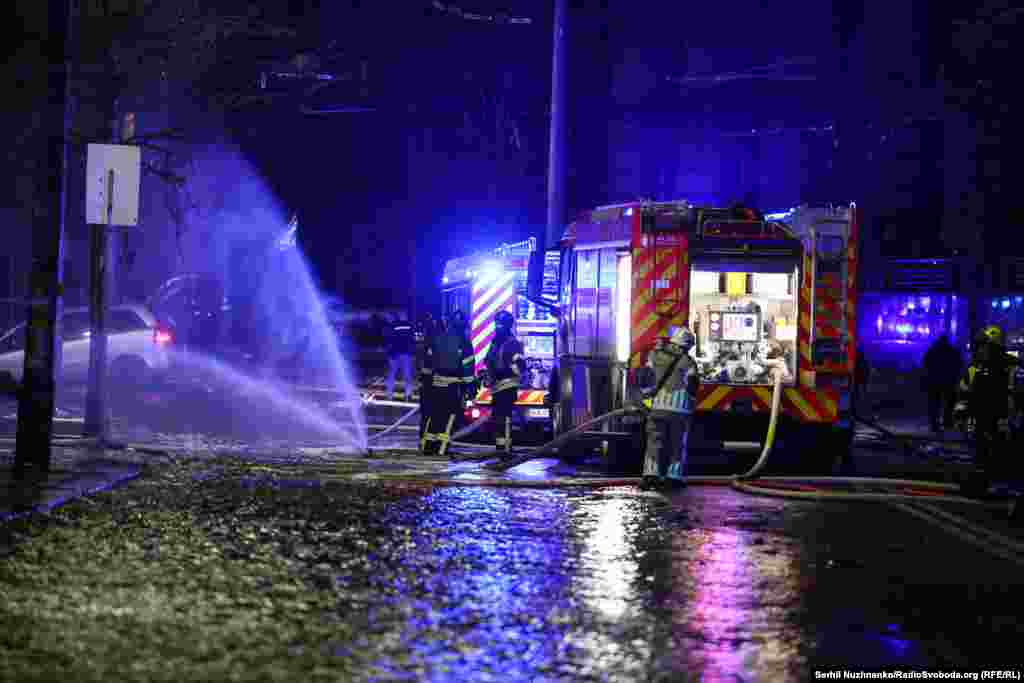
point(995, 304)
point(1006, 303)
point(444, 280)
point(926, 302)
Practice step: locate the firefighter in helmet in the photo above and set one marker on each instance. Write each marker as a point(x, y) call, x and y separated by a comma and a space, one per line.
point(451, 358)
point(986, 386)
point(506, 367)
point(671, 402)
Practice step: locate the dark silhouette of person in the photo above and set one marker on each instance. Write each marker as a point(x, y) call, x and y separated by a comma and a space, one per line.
point(861, 377)
point(942, 369)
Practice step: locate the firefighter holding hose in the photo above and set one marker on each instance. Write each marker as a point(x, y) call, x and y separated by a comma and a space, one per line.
point(450, 355)
point(671, 402)
point(506, 366)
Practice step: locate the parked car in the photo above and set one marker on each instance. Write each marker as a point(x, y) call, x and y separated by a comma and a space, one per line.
point(136, 346)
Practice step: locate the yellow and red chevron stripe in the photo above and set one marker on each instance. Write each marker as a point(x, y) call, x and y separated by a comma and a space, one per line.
point(851, 287)
point(803, 339)
point(661, 292)
point(802, 403)
point(526, 397)
point(489, 297)
point(828, 307)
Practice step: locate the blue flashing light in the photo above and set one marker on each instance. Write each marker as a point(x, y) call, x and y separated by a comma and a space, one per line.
point(1018, 299)
point(995, 304)
point(628, 211)
point(489, 270)
point(1006, 303)
point(926, 302)
point(444, 280)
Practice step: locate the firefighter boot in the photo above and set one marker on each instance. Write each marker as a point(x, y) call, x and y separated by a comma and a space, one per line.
point(427, 441)
point(446, 436)
point(675, 476)
point(653, 477)
point(503, 443)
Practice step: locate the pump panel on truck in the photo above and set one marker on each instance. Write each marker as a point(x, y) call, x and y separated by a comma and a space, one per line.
point(760, 293)
point(482, 284)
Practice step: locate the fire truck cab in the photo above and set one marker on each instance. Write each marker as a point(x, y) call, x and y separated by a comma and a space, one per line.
point(759, 292)
point(482, 284)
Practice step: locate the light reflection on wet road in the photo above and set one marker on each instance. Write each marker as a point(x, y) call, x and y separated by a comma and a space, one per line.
point(620, 585)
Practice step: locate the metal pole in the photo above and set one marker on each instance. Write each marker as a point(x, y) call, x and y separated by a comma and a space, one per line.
point(556, 148)
point(96, 417)
point(37, 399)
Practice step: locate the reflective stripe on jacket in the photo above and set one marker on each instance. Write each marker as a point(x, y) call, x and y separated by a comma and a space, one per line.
point(674, 396)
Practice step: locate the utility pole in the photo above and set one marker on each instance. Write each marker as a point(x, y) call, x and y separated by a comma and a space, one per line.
point(103, 251)
point(37, 399)
point(556, 156)
point(556, 146)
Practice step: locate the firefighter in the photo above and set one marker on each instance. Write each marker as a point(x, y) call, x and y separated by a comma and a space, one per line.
point(426, 330)
point(451, 358)
point(506, 367)
point(401, 346)
point(942, 369)
point(671, 401)
point(986, 385)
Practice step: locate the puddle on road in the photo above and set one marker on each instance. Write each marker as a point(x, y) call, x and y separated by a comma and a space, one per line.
point(611, 585)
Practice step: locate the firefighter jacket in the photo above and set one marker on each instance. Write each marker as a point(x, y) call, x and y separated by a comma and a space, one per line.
point(988, 381)
point(450, 356)
point(423, 356)
point(505, 362)
point(400, 339)
point(678, 393)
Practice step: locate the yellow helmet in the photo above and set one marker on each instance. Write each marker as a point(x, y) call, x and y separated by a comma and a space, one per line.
point(992, 334)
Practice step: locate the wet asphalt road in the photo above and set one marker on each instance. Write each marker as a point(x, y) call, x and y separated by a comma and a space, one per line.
point(703, 584)
point(706, 584)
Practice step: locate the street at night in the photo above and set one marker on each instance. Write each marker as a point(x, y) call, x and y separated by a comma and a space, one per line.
point(219, 570)
point(543, 340)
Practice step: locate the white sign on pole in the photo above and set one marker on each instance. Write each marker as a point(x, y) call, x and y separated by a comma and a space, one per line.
point(122, 208)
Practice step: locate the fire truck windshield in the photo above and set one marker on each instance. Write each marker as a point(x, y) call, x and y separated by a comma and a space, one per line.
point(745, 324)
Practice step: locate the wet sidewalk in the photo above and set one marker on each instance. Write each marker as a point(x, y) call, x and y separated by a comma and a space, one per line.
point(70, 477)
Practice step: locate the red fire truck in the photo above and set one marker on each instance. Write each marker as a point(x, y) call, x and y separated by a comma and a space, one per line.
point(482, 284)
point(758, 291)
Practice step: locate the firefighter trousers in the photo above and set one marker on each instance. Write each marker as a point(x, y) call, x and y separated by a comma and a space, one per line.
point(426, 387)
point(668, 435)
point(504, 401)
point(444, 406)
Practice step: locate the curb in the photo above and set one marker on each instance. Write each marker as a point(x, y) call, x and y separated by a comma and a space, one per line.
point(133, 472)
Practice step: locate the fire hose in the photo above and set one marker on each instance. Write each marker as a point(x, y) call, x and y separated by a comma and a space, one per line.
point(634, 407)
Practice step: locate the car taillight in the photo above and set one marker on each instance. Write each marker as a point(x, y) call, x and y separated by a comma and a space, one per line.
point(162, 336)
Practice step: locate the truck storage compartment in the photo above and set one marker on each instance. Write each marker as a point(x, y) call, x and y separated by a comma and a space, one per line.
point(744, 311)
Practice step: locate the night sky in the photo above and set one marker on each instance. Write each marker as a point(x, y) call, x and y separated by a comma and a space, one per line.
point(385, 197)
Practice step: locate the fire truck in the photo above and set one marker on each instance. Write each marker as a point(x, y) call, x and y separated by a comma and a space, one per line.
point(759, 291)
point(482, 284)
